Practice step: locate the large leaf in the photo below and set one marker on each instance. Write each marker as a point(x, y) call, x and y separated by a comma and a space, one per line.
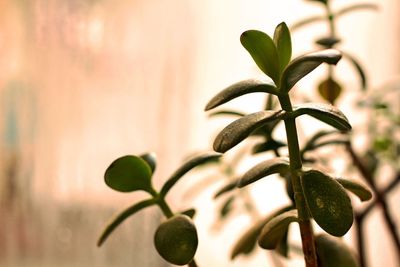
point(362, 192)
point(328, 202)
point(238, 130)
point(273, 232)
point(262, 49)
point(359, 69)
point(187, 166)
point(151, 160)
point(325, 113)
point(333, 252)
point(283, 45)
point(176, 240)
point(129, 173)
point(263, 169)
point(247, 241)
point(120, 217)
point(239, 89)
point(301, 66)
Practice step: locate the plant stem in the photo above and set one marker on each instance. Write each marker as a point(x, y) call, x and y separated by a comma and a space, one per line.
point(307, 236)
point(360, 241)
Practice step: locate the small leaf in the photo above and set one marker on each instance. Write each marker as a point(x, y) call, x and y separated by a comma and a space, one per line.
point(362, 192)
point(328, 42)
point(325, 113)
point(328, 202)
point(306, 21)
point(271, 144)
point(240, 129)
point(176, 240)
point(316, 137)
point(189, 212)
point(226, 188)
point(226, 207)
point(301, 66)
point(333, 252)
point(354, 7)
point(359, 69)
point(151, 160)
point(283, 45)
point(129, 173)
point(118, 219)
point(186, 167)
point(273, 232)
point(263, 169)
point(239, 89)
point(330, 90)
point(262, 49)
point(226, 113)
point(248, 239)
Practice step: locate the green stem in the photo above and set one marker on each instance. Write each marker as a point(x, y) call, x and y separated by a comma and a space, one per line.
point(307, 236)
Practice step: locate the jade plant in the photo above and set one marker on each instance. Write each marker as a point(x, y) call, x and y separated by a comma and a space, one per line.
point(316, 195)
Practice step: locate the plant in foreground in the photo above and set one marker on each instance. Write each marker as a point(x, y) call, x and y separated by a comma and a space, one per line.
point(316, 195)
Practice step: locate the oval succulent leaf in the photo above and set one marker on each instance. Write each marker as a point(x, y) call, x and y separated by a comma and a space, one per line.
point(359, 69)
point(301, 66)
point(238, 130)
point(226, 113)
point(283, 45)
point(330, 90)
point(263, 169)
point(273, 232)
point(129, 173)
point(120, 217)
point(151, 160)
point(186, 167)
point(239, 89)
point(328, 202)
point(362, 192)
point(325, 113)
point(262, 49)
point(176, 240)
point(271, 144)
point(333, 252)
point(248, 239)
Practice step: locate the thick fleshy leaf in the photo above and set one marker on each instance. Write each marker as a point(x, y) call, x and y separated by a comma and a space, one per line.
point(283, 45)
point(151, 160)
point(306, 21)
point(325, 113)
point(176, 240)
point(328, 202)
point(328, 42)
point(359, 69)
point(226, 113)
point(227, 188)
point(333, 252)
point(355, 7)
point(238, 130)
point(362, 192)
point(271, 144)
point(129, 173)
point(263, 50)
point(283, 245)
point(263, 169)
point(248, 239)
point(186, 167)
point(330, 90)
point(120, 217)
point(226, 207)
point(301, 66)
point(274, 230)
point(239, 89)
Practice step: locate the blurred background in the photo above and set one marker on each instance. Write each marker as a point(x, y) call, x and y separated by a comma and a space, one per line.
point(83, 82)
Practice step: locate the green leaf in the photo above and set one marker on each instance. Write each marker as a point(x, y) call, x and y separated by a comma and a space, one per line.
point(247, 241)
point(240, 129)
point(151, 160)
point(119, 218)
point(333, 252)
point(283, 45)
point(129, 173)
point(263, 169)
point(262, 49)
point(271, 144)
point(325, 113)
point(362, 192)
point(301, 66)
point(176, 240)
point(239, 89)
point(359, 69)
point(226, 113)
point(328, 202)
point(306, 21)
point(227, 188)
point(186, 167)
point(354, 7)
point(330, 90)
point(274, 231)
